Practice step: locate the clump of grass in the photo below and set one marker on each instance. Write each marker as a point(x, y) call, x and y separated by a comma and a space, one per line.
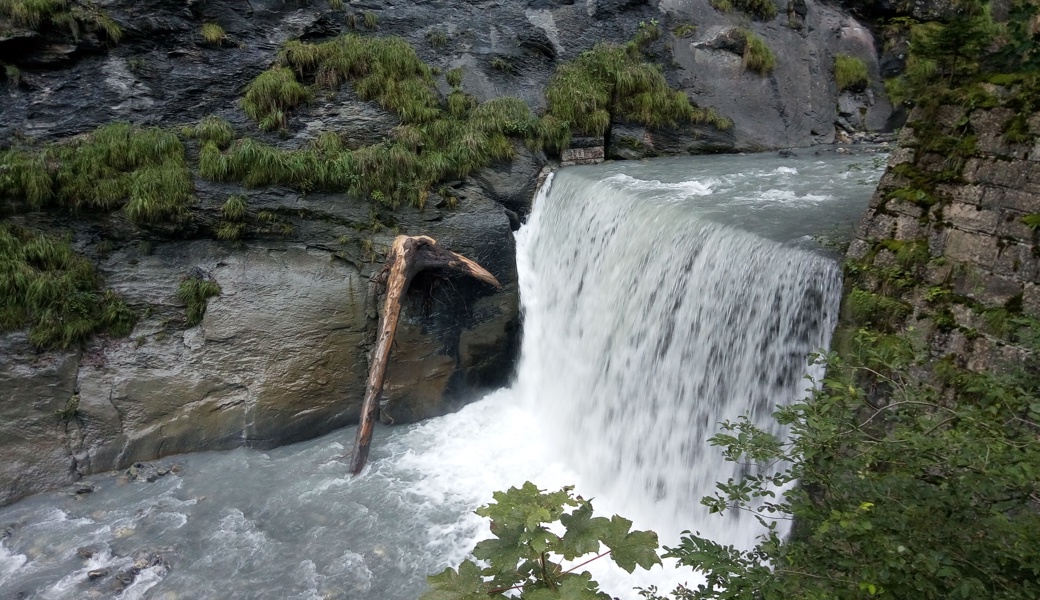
point(271, 94)
point(371, 20)
point(646, 33)
point(54, 292)
point(194, 291)
point(850, 72)
point(763, 10)
point(143, 168)
point(500, 64)
point(454, 77)
point(437, 38)
point(611, 81)
point(757, 55)
point(212, 129)
point(40, 14)
point(234, 207)
point(229, 231)
point(13, 74)
point(213, 34)
point(684, 30)
point(336, 4)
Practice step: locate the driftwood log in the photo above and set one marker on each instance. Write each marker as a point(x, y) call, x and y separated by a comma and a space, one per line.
point(408, 256)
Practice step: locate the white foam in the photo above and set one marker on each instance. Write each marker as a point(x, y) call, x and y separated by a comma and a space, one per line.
point(676, 190)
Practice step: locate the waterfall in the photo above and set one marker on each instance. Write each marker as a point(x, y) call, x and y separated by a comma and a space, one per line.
point(646, 325)
point(659, 298)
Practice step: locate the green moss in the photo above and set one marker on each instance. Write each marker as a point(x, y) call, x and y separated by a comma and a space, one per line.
point(271, 95)
point(194, 291)
point(757, 57)
point(54, 292)
point(143, 168)
point(850, 72)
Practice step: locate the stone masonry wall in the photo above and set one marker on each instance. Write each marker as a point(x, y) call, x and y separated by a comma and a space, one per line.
point(946, 248)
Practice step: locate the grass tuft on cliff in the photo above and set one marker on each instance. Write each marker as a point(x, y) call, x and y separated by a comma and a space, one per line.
point(60, 14)
point(850, 73)
point(118, 165)
point(213, 34)
point(758, 57)
point(763, 10)
point(612, 82)
point(271, 95)
point(194, 291)
point(54, 292)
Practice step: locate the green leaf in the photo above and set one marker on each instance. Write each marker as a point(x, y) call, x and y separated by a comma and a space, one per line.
point(630, 549)
point(464, 584)
point(583, 532)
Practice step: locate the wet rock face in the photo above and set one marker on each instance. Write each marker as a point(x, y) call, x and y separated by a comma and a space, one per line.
point(281, 354)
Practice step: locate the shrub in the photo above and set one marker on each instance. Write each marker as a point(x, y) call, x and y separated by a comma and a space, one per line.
point(54, 292)
point(194, 291)
point(850, 73)
point(271, 94)
point(757, 55)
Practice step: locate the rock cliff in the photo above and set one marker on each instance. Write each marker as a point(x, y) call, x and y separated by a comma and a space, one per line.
point(281, 353)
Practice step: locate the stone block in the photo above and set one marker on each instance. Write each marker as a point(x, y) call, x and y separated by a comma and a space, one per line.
point(582, 156)
point(937, 242)
point(972, 217)
point(1022, 201)
point(908, 228)
point(1016, 261)
point(965, 194)
point(1031, 299)
point(970, 247)
point(904, 208)
point(1033, 123)
point(948, 115)
point(989, 125)
point(900, 155)
point(857, 249)
point(991, 290)
point(937, 274)
point(877, 227)
point(1012, 227)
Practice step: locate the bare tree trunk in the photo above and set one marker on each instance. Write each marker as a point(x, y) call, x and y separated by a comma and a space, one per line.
point(408, 256)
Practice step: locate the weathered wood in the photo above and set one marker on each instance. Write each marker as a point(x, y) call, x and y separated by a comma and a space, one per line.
point(408, 256)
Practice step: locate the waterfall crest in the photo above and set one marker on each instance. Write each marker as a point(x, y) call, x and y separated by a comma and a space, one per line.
point(645, 325)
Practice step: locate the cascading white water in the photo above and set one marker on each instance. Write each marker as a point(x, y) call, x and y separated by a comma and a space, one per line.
point(650, 313)
point(646, 325)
